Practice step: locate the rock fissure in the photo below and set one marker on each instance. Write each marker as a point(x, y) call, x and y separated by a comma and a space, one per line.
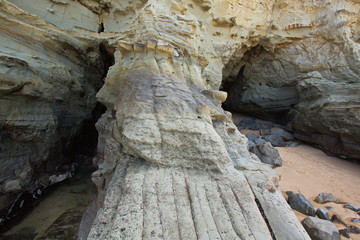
point(265, 218)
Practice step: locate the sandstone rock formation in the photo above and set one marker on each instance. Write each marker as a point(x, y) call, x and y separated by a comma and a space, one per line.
point(171, 164)
point(306, 71)
point(48, 81)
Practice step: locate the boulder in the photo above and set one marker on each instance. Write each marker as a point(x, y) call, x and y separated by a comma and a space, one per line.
point(260, 141)
point(322, 214)
point(252, 136)
point(325, 198)
point(245, 123)
point(267, 154)
point(260, 126)
point(275, 140)
point(319, 229)
point(299, 203)
point(250, 144)
point(282, 133)
point(291, 144)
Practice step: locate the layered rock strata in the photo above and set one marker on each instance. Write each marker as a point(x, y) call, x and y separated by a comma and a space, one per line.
point(306, 71)
point(48, 81)
point(171, 164)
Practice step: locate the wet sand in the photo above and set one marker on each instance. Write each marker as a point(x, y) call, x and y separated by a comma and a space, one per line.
point(75, 193)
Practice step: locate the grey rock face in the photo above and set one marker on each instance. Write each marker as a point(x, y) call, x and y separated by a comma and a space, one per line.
point(267, 154)
point(319, 96)
point(48, 83)
point(325, 198)
point(319, 229)
point(245, 123)
point(299, 203)
point(323, 214)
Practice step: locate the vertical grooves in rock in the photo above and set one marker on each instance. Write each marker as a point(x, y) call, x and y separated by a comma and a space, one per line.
point(175, 203)
point(153, 228)
point(242, 211)
point(233, 216)
point(206, 211)
point(265, 218)
point(220, 215)
point(191, 206)
point(211, 211)
point(143, 203)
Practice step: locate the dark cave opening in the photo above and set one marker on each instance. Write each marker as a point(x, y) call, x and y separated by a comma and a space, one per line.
point(258, 99)
point(85, 141)
point(75, 155)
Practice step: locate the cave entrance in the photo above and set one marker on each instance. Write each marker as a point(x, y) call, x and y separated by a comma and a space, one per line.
point(258, 89)
point(72, 176)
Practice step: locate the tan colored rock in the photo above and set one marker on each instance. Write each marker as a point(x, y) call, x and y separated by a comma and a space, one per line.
point(171, 164)
point(48, 80)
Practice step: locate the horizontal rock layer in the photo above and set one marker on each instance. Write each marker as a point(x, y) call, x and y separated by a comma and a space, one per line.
point(309, 77)
point(48, 82)
point(164, 139)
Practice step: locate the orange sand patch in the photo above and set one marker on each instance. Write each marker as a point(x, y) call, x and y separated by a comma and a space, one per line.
point(309, 171)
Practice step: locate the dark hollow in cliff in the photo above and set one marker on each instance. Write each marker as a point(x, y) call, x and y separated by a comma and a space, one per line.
point(67, 156)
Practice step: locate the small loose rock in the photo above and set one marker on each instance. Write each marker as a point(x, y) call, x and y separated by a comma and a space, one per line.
point(325, 198)
point(352, 207)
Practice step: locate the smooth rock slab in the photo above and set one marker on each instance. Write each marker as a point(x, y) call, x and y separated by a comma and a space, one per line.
point(319, 229)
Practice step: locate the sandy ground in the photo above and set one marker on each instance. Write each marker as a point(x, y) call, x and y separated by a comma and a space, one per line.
point(309, 171)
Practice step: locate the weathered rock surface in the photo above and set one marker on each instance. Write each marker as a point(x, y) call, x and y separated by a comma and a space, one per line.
point(48, 81)
point(319, 229)
point(306, 71)
point(171, 164)
point(175, 171)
